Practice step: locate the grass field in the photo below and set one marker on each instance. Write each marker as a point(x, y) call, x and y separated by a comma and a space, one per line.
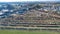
point(26, 32)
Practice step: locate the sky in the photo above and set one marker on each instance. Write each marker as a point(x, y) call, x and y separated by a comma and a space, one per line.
point(24, 0)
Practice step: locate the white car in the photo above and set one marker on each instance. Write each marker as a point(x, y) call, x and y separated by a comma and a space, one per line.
point(4, 10)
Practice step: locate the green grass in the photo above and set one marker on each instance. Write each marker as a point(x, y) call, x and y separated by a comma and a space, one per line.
point(26, 32)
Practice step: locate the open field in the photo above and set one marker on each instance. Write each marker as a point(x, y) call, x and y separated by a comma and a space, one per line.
point(26, 32)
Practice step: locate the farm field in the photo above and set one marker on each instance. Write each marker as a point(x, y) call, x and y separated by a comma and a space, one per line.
point(26, 32)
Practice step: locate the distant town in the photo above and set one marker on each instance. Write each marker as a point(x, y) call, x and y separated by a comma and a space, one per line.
point(30, 14)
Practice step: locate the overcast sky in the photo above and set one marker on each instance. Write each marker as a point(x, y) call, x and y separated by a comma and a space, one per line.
point(24, 0)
